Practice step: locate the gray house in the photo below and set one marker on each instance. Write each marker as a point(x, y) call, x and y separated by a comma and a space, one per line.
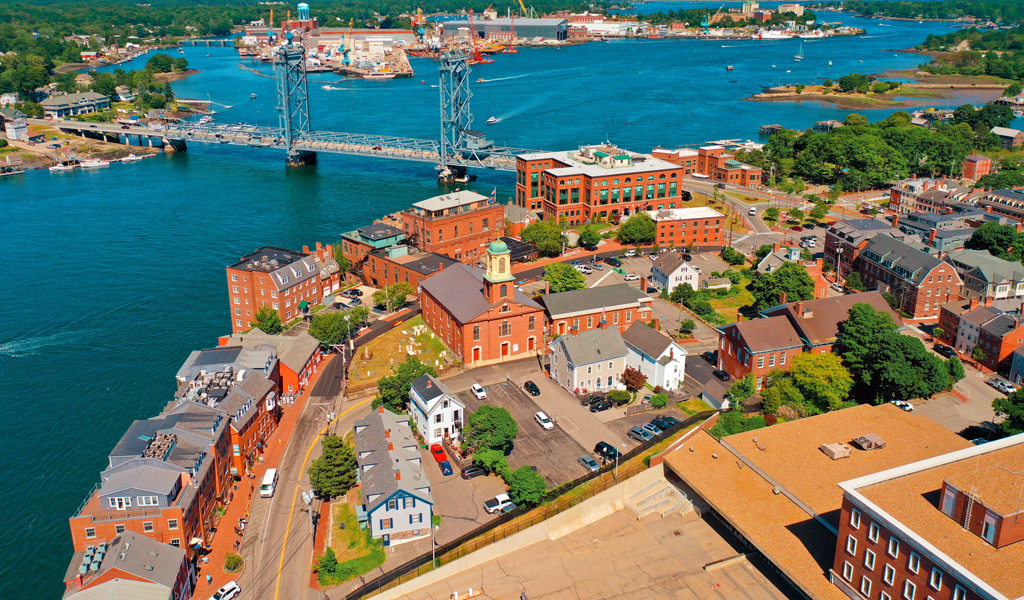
point(396, 491)
point(592, 360)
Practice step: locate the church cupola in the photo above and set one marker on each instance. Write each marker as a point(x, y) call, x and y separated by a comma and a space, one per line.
point(498, 278)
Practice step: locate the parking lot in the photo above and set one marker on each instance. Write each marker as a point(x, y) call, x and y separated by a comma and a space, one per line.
point(553, 452)
point(458, 501)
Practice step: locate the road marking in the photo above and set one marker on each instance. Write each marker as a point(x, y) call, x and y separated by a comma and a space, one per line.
point(566, 424)
point(610, 271)
point(295, 495)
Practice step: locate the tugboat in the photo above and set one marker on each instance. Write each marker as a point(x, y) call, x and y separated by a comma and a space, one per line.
point(492, 120)
point(728, 68)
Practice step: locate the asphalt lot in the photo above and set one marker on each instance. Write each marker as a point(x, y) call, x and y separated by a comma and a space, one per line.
point(458, 501)
point(553, 452)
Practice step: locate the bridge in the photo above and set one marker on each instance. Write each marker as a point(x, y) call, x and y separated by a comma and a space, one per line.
point(458, 149)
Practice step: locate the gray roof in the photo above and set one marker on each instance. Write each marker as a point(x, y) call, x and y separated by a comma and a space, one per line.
point(379, 231)
point(426, 263)
point(294, 351)
point(240, 357)
point(71, 99)
point(669, 262)
point(11, 113)
point(856, 231)
point(647, 340)
point(979, 316)
point(459, 289)
point(592, 299)
point(144, 557)
point(122, 589)
point(242, 403)
point(156, 480)
point(593, 346)
point(1005, 132)
point(1001, 325)
point(372, 436)
point(983, 265)
point(515, 213)
point(451, 200)
point(907, 261)
point(429, 388)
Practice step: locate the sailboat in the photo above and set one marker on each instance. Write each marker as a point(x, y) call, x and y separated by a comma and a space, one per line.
point(800, 55)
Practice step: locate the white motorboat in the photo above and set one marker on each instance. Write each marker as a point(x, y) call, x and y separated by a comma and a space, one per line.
point(492, 120)
point(131, 158)
point(62, 167)
point(94, 163)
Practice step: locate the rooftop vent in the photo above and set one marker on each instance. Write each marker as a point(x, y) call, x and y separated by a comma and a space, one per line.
point(836, 450)
point(869, 441)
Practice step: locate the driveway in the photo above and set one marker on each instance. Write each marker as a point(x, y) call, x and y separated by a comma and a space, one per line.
point(458, 501)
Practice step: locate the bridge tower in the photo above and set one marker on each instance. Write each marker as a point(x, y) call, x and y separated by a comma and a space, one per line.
point(455, 116)
point(293, 101)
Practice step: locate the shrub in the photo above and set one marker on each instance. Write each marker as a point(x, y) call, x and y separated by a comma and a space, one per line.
point(492, 460)
point(619, 396)
point(233, 562)
point(328, 562)
point(659, 400)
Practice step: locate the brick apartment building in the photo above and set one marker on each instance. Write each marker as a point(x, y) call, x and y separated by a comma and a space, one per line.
point(480, 315)
point(986, 276)
point(999, 338)
point(713, 162)
point(402, 264)
point(699, 227)
point(946, 528)
point(977, 166)
point(358, 243)
point(290, 282)
point(844, 241)
point(130, 566)
point(617, 305)
point(596, 183)
point(817, 321)
point(1005, 202)
point(921, 281)
point(298, 357)
point(460, 224)
point(903, 195)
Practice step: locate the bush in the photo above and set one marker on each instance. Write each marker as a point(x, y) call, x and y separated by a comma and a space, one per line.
point(526, 487)
point(328, 562)
point(492, 460)
point(3, 143)
point(619, 396)
point(233, 562)
point(659, 400)
point(732, 422)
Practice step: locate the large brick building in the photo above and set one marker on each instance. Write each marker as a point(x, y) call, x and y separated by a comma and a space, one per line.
point(596, 183)
point(699, 227)
point(977, 166)
point(480, 315)
point(290, 282)
point(920, 281)
point(844, 241)
point(617, 305)
point(402, 264)
point(459, 224)
point(358, 243)
point(713, 162)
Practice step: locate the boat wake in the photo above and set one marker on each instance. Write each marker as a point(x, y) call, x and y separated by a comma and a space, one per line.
point(29, 346)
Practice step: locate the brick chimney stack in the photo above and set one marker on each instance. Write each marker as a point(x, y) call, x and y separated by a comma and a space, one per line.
point(305, 249)
point(776, 247)
point(931, 234)
point(896, 221)
point(799, 308)
point(398, 475)
point(989, 300)
point(973, 303)
point(782, 298)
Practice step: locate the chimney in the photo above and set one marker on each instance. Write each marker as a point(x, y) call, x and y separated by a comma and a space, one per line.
point(643, 284)
point(1018, 226)
point(547, 288)
point(798, 308)
point(782, 298)
point(989, 301)
point(398, 475)
point(973, 304)
point(319, 246)
point(895, 221)
point(931, 234)
point(391, 447)
point(387, 434)
point(305, 249)
point(440, 267)
point(739, 317)
point(430, 383)
point(776, 247)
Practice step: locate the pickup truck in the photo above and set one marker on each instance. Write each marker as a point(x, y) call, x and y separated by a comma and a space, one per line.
point(499, 504)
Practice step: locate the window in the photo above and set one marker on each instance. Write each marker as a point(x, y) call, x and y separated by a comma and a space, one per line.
point(234, 289)
point(590, 322)
point(385, 523)
point(611, 365)
point(615, 318)
point(172, 523)
point(532, 323)
point(935, 579)
point(176, 542)
point(782, 358)
point(760, 362)
point(988, 528)
point(869, 560)
point(437, 432)
point(234, 278)
point(147, 527)
point(146, 500)
point(855, 518)
point(913, 562)
point(413, 519)
point(118, 529)
point(437, 418)
point(90, 532)
point(884, 596)
point(959, 593)
point(948, 500)
point(865, 586)
point(873, 532)
point(909, 589)
point(476, 333)
point(504, 290)
point(505, 330)
point(629, 316)
point(392, 504)
point(889, 574)
point(851, 545)
point(847, 571)
point(894, 547)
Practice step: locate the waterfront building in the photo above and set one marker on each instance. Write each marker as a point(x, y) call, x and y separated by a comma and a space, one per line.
point(131, 566)
point(395, 490)
point(600, 182)
point(590, 360)
point(976, 166)
point(460, 224)
point(501, 29)
point(69, 105)
point(402, 264)
point(698, 227)
point(289, 282)
point(15, 123)
point(920, 281)
point(713, 162)
point(1009, 138)
point(298, 357)
point(435, 410)
point(656, 355)
point(480, 314)
point(358, 243)
point(619, 305)
point(791, 7)
point(671, 271)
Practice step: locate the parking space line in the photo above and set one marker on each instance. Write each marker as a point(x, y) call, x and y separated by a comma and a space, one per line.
point(566, 424)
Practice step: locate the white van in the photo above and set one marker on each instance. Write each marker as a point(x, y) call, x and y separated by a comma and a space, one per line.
point(752, 212)
point(269, 483)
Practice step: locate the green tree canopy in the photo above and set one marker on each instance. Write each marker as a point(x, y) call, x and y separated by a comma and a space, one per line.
point(740, 391)
point(267, 320)
point(160, 63)
point(331, 328)
point(393, 390)
point(526, 487)
point(1011, 409)
point(638, 229)
point(546, 235)
point(999, 240)
point(564, 278)
point(791, 278)
point(334, 472)
point(589, 237)
point(856, 282)
point(491, 427)
point(733, 256)
point(393, 296)
point(822, 380)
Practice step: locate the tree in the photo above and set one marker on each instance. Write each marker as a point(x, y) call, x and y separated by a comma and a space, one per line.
point(180, 64)
point(332, 328)
point(160, 63)
point(334, 472)
point(638, 229)
point(795, 214)
point(782, 391)
point(492, 460)
point(564, 278)
point(633, 379)
point(762, 251)
point(818, 213)
point(956, 371)
point(822, 380)
point(740, 391)
point(683, 294)
point(526, 487)
point(856, 282)
point(1011, 408)
point(687, 326)
point(393, 390)
point(267, 320)
point(619, 397)
point(105, 84)
point(491, 427)
point(999, 240)
point(546, 235)
point(1014, 89)
point(659, 400)
point(393, 296)
point(806, 255)
point(978, 354)
point(770, 214)
point(733, 257)
point(791, 278)
point(589, 237)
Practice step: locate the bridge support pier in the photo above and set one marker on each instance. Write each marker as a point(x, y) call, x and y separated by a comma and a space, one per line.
point(454, 174)
point(175, 146)
point(301, 158)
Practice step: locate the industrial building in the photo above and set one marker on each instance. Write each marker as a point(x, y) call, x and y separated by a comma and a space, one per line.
point(506, 29)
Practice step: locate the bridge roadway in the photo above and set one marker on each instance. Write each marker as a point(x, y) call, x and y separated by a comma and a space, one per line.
point(355, 144)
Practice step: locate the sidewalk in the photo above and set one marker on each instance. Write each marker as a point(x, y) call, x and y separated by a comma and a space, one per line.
point(225, 540)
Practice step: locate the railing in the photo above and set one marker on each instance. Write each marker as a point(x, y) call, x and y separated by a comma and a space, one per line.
point(559, 500)
point(88, 497)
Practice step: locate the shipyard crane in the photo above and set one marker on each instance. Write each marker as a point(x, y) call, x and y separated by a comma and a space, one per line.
point(707, 20)
point(526, 13)
point(478, 57)
point(347, 46)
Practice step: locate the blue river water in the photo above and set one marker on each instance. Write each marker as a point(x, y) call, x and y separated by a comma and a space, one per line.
point(128, 261)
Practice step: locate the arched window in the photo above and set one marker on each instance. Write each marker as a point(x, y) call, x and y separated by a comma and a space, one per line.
point(476, 333)
point(532, 323)
point(662, 176)
point(504, 290)
point(501, 269)
point(505, 330)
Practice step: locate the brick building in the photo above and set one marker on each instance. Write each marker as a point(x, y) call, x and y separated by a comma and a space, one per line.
point(916, 194)
point(920, 281)
point(758, 347)
point(618, 305)
point(713, 162)
point(844, 241)
point(817, 321)
point(358, 243)
point(298, 357)
point(130, 566)
point(999, 338)
point(480, 315)
point(290, 282)
point(945, 528)
point(1007, 202)
point(977, 166)
point(699, 227)
point(986, 276)
point(596, 183)
point(460, 225)
point(402, 264)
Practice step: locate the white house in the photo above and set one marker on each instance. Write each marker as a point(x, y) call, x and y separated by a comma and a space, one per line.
point(396, 491)
point(655, 355)
point(436, 411)
point(670, 270)
point(8, 99)
point(15, 125)
point(592, 360)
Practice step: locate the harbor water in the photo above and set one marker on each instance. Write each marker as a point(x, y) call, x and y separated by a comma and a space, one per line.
point(116, 274)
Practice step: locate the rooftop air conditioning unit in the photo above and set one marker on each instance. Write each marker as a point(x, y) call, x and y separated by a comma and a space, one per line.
point(836, 450)
point(869, 441)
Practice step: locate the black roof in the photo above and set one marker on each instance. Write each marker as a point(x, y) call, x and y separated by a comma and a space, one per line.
point(222, 355)
point(379, 231)
point(520, 250)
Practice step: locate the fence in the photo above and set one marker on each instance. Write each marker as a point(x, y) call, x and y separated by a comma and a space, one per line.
point(557, 500)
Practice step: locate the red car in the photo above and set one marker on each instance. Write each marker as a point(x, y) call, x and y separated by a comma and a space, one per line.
point(438, 452)
point(797, 228)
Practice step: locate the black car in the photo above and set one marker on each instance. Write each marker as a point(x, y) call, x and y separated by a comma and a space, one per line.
point(353, 293)
point(607, 451)
point(611, 260)
point(590, 400)
point(945, 351)
point(665, 422)
point(472, 471)
point(710, 356)
point(531, 388)
point(720, 374)
point(600, 406)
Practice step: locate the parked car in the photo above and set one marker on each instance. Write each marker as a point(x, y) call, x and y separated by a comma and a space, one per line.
point(903, 404)
point(591, 400)
point(478, 391)
point(687, 256)
point(665, 422)
point(53, 146)
point(500, 503)
point(710, 356)
point(472, 471)
point(438, 452)
point(639, 434)
point(612, 261)
point(354, 293)
point(589, 463)
point(632, 277)
point(607, 451)
point(600, 406)
point(653, 256)
point(797, 228)
point(838, 288)
point(945, 351)
point(652, 428)
point(630, 253)
point(1003, 386)
point(543, 420)
point(228, 591)
point(531, 388)
point(576, 263)
point(446, 468)
point(585, 270)
point(720, 375)
point(597, 266)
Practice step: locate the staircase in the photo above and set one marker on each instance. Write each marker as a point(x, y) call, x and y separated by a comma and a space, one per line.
point(659, 497)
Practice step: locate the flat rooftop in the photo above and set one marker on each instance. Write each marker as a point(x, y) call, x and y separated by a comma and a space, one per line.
point(909, 496)
point(379, 231)
point(267, 259)
point(679, 214)
point(575, 163)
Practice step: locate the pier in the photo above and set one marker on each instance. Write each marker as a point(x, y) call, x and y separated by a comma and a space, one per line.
point(201, 42)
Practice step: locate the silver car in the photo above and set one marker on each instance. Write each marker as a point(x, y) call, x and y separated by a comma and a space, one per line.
point(640, 435)
point(589, 463)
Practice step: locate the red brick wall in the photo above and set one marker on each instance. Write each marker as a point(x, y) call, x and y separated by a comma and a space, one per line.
point(998, 349)
point(621, 318)
point(683, 232)
point(976, 169)
point(922, 302)
point(459, 337)
point(257, 431)
point(452, 235)
point(376, 267)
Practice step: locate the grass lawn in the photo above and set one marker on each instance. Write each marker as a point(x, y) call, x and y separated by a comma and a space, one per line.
point(709, 201)
point(392, 347)
point(729, 306)
point(693, 406)
point(356, 551)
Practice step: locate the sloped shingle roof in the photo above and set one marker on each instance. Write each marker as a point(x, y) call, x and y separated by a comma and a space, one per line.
point(593, 346)
point(592, 299)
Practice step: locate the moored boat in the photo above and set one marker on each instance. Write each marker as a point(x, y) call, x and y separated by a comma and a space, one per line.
point(93, 163)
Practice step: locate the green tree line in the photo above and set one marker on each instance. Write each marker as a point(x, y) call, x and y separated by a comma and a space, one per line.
point(1006, 11)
